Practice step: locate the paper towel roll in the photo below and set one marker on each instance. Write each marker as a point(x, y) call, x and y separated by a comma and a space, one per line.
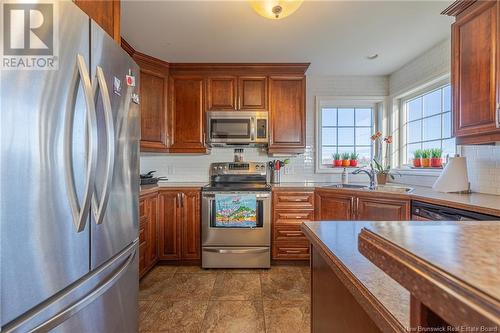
point(454, 176)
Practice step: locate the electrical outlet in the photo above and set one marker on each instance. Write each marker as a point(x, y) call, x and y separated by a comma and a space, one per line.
point(289, 170)
point(170, 170)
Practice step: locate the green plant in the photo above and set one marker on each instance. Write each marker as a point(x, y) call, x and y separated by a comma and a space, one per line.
point(336, 156)
point(436, 153)
point(345, 156)
point(354, 156)
point(426, 153)
point(417, 153)
point(381, 170)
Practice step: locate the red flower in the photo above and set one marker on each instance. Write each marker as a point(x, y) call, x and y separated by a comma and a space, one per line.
point(388, 139)
point(375, 136)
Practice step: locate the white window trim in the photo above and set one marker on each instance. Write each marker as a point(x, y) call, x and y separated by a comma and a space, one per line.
point(375, 102)
point(400, 100)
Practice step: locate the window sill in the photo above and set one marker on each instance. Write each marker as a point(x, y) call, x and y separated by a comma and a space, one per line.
point(339, 170)
point(417, 172)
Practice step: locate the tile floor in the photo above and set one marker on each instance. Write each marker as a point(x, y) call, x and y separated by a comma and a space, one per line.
point(190, 299)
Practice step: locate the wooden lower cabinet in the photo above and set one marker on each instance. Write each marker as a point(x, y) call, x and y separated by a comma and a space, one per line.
point(382, 209)
point(334, 206)
point(290, 209)
point(179, 232)
point(148, 231)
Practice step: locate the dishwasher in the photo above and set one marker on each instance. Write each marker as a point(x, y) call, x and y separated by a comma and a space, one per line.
point(421, 211)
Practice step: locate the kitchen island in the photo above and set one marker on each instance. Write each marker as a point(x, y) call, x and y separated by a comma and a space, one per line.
point(350, 293)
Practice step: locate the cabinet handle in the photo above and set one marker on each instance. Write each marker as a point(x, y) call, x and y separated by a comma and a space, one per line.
point(292, 251)
point(297, 233)
point(182, 200)
point(498, 115)
point(178, 200)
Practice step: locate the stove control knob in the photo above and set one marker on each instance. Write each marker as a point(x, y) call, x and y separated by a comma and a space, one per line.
point(220, 167)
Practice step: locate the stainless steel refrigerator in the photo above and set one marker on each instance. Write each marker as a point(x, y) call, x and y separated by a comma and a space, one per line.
point(69, 187)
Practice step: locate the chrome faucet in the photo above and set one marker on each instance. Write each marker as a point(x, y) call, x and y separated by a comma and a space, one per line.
point(371, 175)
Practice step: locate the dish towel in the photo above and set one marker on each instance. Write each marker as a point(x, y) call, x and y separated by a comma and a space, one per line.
point(236, 210)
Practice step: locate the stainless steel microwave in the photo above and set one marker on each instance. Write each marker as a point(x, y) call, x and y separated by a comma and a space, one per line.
point(235, 128)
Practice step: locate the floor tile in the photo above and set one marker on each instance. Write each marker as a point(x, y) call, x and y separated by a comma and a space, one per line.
point(148, 286)
point(284, 286)
point(287, 316)
point(144, 310)
point(175, 316)
point(188, 286)
point(234, 317)
point(195, 269)
point(237, 287)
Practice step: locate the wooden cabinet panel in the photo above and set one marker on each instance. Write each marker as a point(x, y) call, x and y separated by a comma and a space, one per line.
point(148, 230)
point(291, 199)
point(191, 224)
point(169, 235)
point(287, 114)
point(186, 119)
point(333, 206)
point(105, 13)
point(221, 93)
point(382, 209)
point(291, 250)
point(474, 73)
point(252, 93)
point(154, 97)
point(292, 216)
point(287, 233)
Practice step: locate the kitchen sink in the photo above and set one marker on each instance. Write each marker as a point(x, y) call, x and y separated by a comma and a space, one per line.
point(355, 186)
point(392, 188)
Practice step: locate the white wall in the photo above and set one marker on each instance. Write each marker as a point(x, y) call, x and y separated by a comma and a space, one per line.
point(195, 167)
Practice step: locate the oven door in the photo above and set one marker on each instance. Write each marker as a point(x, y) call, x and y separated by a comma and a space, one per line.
point(258, 234)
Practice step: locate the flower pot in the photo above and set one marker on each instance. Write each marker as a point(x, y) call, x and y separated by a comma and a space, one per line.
point(337, 163)
point(353, 163)
point(426, 162)
point(381, 178)
point(346, 163)
point(417, 162)
point(436, 162)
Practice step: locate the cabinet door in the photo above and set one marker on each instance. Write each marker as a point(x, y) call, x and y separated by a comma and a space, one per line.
point(475, 53)
point(287, 114)
point(186, 119)
point(381, 209)
point(154, 92)
point(152, 237)
point(190, 225)
point(252, 93)
point(105, 13)
point(170, 216)
point(333, 206)
point(221, 93)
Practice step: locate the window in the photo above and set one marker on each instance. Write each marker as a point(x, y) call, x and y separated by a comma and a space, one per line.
point(428, 122)
point(345, 129)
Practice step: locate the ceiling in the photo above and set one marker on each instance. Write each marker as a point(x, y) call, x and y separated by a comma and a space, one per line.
point(334, 36)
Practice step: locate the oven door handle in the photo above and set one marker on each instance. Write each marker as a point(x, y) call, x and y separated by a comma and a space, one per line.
point(236, 251)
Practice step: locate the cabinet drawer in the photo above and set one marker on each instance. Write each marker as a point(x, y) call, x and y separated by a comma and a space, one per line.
point(289, 232)
point(291, 251)
point(294, 200)
point(293, 216)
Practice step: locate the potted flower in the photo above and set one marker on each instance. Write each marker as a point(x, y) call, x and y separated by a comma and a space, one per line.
point(354, 160)
point(436, 160)
point(417, 156)
point(426, 158)
point(346, 159)
point(382, 172)
point(337, 162)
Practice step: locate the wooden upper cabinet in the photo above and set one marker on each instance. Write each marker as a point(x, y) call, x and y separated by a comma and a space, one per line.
point(252, 93)
point(221, 93)
point(105, 13)
point(475, 72)
point(381, 209)
point(154, 101)
point(333, 206)
point(186, 114)
point(287, 114)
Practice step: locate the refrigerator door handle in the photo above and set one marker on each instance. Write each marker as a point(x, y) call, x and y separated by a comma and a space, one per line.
point(80, 212)
point(99, 86)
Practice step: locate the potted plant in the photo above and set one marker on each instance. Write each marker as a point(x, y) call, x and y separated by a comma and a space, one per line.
point(382, 173)
point(436, 160)
point(346, 159)
point(337, 162)
point(426, 158)
point(417, 158)
point(354, 160)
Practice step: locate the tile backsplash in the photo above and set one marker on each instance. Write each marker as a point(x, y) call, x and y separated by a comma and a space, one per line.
point(483, 168)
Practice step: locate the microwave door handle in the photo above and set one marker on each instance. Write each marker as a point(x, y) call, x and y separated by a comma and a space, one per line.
point(253, 123)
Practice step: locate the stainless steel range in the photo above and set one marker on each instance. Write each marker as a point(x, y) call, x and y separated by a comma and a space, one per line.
point(236, 216)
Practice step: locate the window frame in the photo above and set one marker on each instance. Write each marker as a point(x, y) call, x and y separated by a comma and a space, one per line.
point(377, 103)
point(403, 165)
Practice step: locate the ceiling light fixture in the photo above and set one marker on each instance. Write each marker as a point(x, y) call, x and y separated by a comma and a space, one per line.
point(372, 57)
point(275, 9)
